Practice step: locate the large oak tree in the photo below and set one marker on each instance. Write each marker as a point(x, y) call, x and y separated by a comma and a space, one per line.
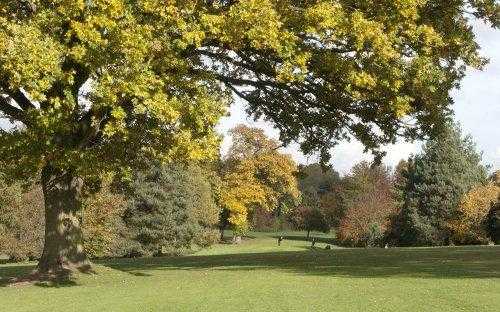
point(95, 85)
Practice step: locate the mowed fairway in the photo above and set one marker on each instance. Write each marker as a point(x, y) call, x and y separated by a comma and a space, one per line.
point(260, 276)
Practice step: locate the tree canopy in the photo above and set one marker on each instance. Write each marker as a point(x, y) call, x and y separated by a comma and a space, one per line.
point(89, 77)
point(257, 177)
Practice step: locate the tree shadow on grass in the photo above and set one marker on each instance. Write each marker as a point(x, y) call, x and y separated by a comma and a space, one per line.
point(10, 273)
point(443, 263)
point(25, 274)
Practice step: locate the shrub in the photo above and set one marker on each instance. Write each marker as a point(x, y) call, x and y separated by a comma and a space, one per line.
point(374, 236)
point(105, 234)
point(21, 222)
point(171, 209)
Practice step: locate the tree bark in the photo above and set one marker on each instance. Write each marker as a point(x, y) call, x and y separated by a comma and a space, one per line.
point(63, 250)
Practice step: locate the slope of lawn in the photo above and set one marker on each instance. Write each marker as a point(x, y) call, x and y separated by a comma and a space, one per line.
point(260, 276)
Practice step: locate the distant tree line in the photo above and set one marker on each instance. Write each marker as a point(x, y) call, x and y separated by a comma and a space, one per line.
point(441, 196)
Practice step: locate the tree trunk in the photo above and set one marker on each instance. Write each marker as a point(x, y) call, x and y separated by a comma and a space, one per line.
point(308, 233)
point(63, 250)
point(221, 230)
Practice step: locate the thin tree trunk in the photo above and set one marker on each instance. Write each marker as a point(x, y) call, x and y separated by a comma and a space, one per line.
point(63, 250)
point(221, 229)
point(308, 233)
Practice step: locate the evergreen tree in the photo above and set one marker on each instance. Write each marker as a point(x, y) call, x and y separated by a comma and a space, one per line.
point(436, 180)
point(171, 209)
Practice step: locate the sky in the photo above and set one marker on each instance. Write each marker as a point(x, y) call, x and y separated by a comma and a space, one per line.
point(477, 109)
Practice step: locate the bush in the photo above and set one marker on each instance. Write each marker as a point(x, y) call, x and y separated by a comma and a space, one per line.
point(171, 209)
point(374, 236)
point(21, 222)
point(105, 234)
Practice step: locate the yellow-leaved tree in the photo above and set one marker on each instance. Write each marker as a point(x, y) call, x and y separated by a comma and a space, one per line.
point(257, 176)
point(468, 227)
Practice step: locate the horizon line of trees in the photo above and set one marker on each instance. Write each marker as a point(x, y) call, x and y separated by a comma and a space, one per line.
point(441, 196)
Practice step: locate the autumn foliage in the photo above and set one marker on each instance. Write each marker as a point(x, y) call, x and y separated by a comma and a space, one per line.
point(370, 204)
point(21, 221)
point(257, 176)
point(469, 224)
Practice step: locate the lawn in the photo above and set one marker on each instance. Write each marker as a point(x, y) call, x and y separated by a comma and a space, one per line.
point(258, 275)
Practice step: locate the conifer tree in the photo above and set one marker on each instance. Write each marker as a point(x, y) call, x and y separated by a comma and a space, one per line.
point(436, 180)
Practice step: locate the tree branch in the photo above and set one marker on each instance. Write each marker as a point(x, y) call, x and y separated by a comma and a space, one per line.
point(19, 97)
point(11, 111)
point(22, 100)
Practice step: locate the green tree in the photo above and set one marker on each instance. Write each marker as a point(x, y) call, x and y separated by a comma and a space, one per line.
point(171, 209)
point(437, 179)
point(95, 86)
point(321, 190)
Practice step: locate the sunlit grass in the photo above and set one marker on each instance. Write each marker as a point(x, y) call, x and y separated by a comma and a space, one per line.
point(259, 275)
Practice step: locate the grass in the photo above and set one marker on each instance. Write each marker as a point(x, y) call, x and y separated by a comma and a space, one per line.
point(260, 276)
